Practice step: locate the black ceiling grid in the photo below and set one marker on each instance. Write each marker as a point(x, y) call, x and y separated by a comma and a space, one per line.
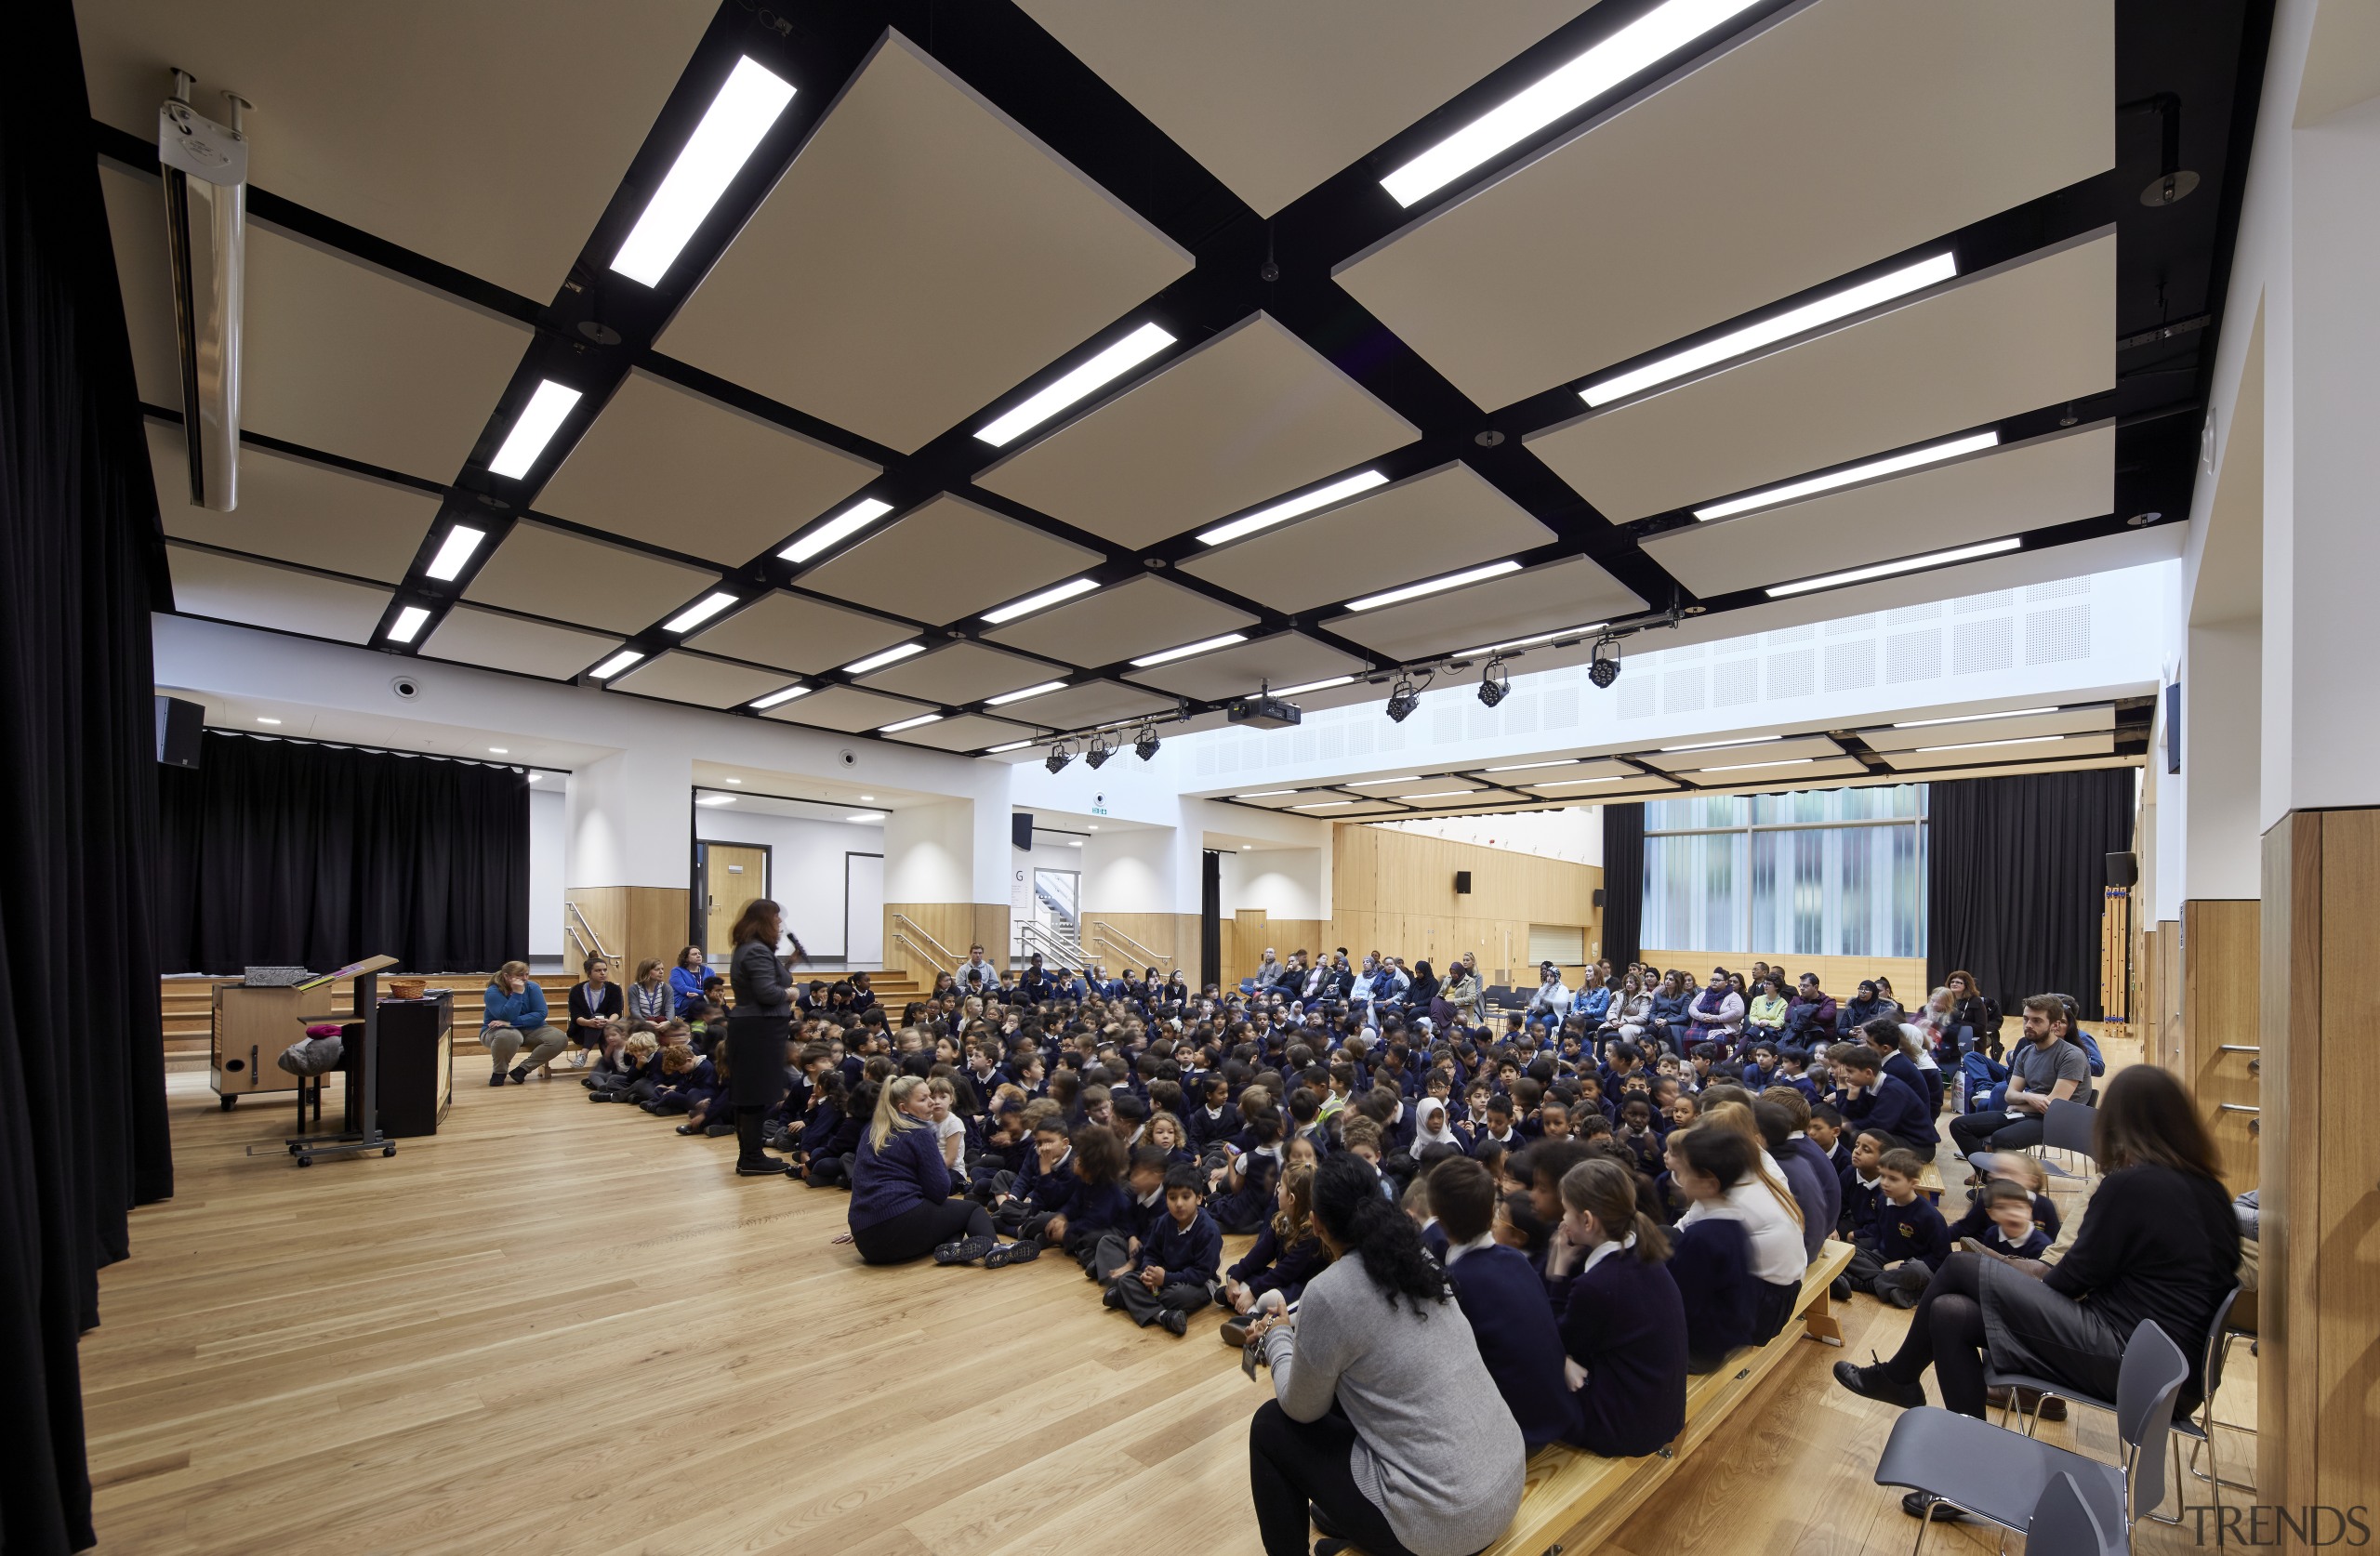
point(1007, 58)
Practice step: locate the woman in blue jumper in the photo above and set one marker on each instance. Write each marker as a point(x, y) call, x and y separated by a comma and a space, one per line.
point(515, 1015)
point(686, 980)
point(901, 1204)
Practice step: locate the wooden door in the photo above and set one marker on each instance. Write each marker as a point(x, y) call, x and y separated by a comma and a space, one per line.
point(732, 874)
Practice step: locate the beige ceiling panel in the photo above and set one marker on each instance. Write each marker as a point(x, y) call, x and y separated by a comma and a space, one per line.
point(137, 230)
point(258, 594)
point(667, 466)
point(1094, 701)
point(691, 678)
point(297, 511)
point(1123, 621)
point(1341, 810)
point(1793, 749)
point(2060, 721)
point(1251, 413)
point(1274, 98)
point(966, 731)
point(1554, 770)
point(1780, 772)
point(795, 633)
point(1969, 747)
point(355, 363)
point(843, 707)
point(1284, 659)
point(1448, 799)
point(923, 257)
point(964, 673)
point(1435, 525)
point(472, 636)
point(2015, 340)
point(566, 577)
point(948, 561)
point(495, 135)
point(1428, 782)
point(2023, 486)
point(1751, 179)
point(1539, 600)
point(1589, 793)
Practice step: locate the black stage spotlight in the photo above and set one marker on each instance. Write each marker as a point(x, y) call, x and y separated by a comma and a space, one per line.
point(1058, 757)
point(1145, 746)
point(1402, 700)
point(1606, 668)
point(1495, 683)
point(1097, 755)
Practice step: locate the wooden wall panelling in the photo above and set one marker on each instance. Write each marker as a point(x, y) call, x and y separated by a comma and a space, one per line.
point(2220, 961)
point(1393, 892)
point(1839, 976)
point(2167, 994)
point(955, 926)
point(1142, 940)
point(1252, 932)
point(631, 923)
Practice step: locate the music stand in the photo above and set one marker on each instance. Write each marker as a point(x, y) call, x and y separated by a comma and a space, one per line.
point(366, 1137)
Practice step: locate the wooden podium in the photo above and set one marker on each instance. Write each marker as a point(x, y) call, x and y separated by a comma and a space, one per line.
point(251, 1028)
point(363, 1065)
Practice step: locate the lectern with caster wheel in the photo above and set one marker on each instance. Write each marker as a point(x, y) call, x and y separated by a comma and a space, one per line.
point(362, 1069)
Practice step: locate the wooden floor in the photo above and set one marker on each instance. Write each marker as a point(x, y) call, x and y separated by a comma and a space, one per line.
point(557, 1328)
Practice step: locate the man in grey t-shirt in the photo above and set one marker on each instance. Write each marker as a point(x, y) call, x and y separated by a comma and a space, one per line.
point(2044, 1068)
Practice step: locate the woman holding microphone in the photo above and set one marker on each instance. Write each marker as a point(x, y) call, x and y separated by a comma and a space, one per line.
point(757, 1030)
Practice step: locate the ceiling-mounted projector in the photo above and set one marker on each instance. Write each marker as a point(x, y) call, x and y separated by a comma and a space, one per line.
point(1264, 710)
point(205, 170)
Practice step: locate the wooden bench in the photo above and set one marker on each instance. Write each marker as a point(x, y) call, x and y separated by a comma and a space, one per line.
point(1576, 1500)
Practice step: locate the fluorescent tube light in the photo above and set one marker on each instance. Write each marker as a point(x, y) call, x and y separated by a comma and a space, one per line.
point(1972, 717)
point(1011, 746)
point(615, 664)
point(1080, 384)
point(892, 655)
point(734, 780)
point(1540, 637)
point(1167, 657)
point(262, 720)
point(1767, 332)
point(1043, 601)
point(1436, 794)
point(1323, 805)
point(849, 522)
point(1574, 783)
point(773, 698)
point(1316, 686)
point(920, 721)
point(1746, 767)
point(1719, 744)
point(864, 816)
point(507, 751)
point(1451, 581)
point(461, 541)
point(715, 799)
point(1041, 690)
point(698, 612)
point(1886, 569)
point(534, 428)
point(1531, 767)
point(1370, 782)
point(1890, 465)
point(1981, 744)
point(1265, 794)
point(1281, 512)
point(409, 621)
point(731, 128)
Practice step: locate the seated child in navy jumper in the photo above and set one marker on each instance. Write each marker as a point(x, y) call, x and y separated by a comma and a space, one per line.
point(1098, 1205)
point(1621, 1318)
point(2009, 1229)
point(1046, 1186)
point(827, 1162)
point(1863, 1191)
point(1911, 1238)
point(1168, 1279)
point(1244, 1184)
point(1118, 1245)
point(1218, 1120)
point(1502, 1295)
point(1285, 1256)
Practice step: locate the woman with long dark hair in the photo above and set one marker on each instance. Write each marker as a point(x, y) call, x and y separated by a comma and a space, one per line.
point(757, 1030)
point(1384, 1421)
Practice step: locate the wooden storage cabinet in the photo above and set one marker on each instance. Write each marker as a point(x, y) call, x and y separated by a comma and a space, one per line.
point(251, 1028)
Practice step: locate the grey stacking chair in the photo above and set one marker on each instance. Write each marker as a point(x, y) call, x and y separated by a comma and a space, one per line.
point(1998, 1475)
point(2064, 1525)
point(2067, 1127)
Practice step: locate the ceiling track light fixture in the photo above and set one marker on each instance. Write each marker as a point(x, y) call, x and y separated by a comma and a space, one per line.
point(1098, 754)
point(1146, 745)
point(1403, 699)
point(1060, 755)
point(1605, 668)
point(1495, 683)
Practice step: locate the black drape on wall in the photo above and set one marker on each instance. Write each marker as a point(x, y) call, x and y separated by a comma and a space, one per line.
point(2016, 879)
point(82, 1059)
point(1623, 883)
point(281, 852)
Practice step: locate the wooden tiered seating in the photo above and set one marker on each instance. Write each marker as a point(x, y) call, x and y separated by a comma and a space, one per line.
point(1576, 1500)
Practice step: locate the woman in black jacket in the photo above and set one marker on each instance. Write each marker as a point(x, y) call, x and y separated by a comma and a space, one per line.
point(757, 1030)
point(2159, 1241)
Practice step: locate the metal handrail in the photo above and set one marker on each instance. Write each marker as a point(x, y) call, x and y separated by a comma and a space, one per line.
point(939, 959)
point(590, 938)
point(1107, 931)
point(1034, 935)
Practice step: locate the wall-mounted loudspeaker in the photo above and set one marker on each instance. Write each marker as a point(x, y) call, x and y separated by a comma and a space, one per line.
point(1598, 896)
point(179, 727)
point(1463, 883)
point(2123, 869)
point(1020, 831)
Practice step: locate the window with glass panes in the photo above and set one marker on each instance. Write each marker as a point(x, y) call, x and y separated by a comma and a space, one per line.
point(1813, 873)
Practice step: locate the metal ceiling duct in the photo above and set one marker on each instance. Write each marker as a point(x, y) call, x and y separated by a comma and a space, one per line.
point(206, 169)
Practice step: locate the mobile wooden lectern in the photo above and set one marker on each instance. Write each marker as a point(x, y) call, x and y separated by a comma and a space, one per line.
point(362, 1069)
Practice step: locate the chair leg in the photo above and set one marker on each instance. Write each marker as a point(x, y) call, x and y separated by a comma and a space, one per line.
point(2151, 1513)
point(1923, 1525)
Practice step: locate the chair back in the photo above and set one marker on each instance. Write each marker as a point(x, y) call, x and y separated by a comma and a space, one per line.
point(2147, 1384)
point(2068, 1126)
point(2213, 1370)
point(2063, 1523)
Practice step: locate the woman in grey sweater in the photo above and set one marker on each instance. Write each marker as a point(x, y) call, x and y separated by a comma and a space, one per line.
point(1422, 1457)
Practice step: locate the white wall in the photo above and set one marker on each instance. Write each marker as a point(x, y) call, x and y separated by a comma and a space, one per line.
point(805, 864)
point(630, 819)
point(930, 854)
point(547, 843)
point(1286, 883)
point(1574, 834)
point(1129, 872)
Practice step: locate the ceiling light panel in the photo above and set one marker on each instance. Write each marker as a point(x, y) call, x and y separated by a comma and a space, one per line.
point(2045, 481)
point(1095, 701)
point(699, 611)
point(1590, 791)
point(1055, 595)
point(963, 672)
point(836, 528)
point(615, 664)
point(1122, 623)
point(979, 558)
point(258, 594)
point(846, 709)
point(469, 634)
point(1248, 415)
point(2018, 748)
point(1431, 525)
point(964, 731)
point(1795, 749)
point(672, 468)
point(1851, 475)
point(1074, 385)
point(1747, 181)
point(455, 553)
point(1434, 586)
point(892, 655)
point(1329, 683)
point(533, 428)
point(2016, 725)
point(1996, 345)
point(1297, 506)
point(409, 625)
point(1537, 600)
point(779, 698)
point(294, 511)
point(914, 721)
point(1186, 651)
point(1284, 659)
point(567, 578)
point(794, 632)
point(746, 107)
point(1887, 570)
point(690, 677)
point(963, 257)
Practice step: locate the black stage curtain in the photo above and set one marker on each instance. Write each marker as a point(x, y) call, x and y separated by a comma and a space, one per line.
point(82, 1058)
point(281, 853)
point(1623, 883)
point(2016, 879)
